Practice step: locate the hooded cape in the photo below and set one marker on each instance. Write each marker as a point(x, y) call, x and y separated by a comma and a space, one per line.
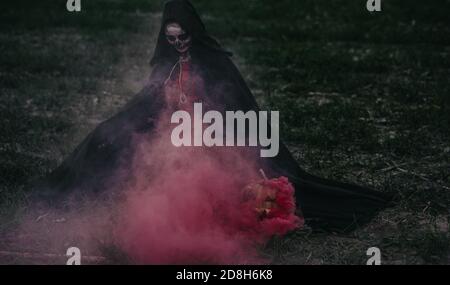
point(92, 165)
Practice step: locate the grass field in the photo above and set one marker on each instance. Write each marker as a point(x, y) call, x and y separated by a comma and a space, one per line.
point(363, 98)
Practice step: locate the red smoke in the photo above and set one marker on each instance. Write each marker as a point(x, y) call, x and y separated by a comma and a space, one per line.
point(187, 218)
point(190, 209)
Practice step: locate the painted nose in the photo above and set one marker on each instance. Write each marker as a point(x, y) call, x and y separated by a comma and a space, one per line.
point(178, 44)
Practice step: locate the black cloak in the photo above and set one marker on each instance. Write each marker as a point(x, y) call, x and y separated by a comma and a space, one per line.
point(92, 165)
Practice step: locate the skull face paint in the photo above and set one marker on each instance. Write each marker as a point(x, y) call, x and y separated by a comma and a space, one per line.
point(178, 38)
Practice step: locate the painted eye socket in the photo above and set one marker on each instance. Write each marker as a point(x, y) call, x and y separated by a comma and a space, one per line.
point(183, 37)
point(171, 38)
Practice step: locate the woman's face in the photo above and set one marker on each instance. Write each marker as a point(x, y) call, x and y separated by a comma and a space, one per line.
point(177, 37)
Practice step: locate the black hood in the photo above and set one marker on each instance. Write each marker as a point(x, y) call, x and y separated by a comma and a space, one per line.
point(182, 12)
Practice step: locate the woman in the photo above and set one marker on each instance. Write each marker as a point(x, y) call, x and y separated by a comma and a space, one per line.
point(190, 66)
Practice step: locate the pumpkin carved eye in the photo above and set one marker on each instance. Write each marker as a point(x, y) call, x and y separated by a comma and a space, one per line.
point(263, 196)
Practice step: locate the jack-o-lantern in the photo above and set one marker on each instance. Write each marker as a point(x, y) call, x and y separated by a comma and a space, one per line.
point(263, 197)
point(273, 203)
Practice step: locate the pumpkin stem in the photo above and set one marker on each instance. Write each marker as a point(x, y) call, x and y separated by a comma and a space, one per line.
point(263, 174)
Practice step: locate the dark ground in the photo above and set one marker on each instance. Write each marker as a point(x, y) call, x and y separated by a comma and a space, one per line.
point(363, 98)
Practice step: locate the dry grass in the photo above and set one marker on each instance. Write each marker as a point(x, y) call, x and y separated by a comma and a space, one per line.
point(363, 98)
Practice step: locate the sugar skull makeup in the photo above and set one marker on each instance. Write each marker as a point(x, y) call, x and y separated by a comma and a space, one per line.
point(177, 37)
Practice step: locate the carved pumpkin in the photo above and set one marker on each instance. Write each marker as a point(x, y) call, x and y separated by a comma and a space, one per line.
point(273, 203)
